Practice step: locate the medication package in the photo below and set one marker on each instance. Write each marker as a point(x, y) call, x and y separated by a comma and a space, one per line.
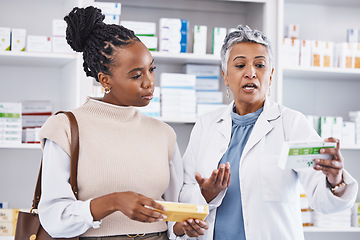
point(179, 212)
point(302, 154)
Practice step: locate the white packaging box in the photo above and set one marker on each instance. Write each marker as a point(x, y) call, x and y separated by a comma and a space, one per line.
point(314, 122)
point(59, 27)
point(325, 126)
point(200, 37)
point(348, 134)
point(60, 45)
point(294, 53)
point(140, 28)
point(109, 8)
point(291, 52)
point(34, 120)
point(317, 54)
point(302, 154)
point(36, 107)
point(149, 41)
point(173, 35)
point(336, 127)
point(38, 43)
point(344, 55)
point(356, 51)
point(112, 19)
point(207, 76)
point(209, 97)
point(328, 54)
point(305, 53)
point(18, 39)
point(177, 80)
point(219, 35)
point(7, 228)
point(10, 122)
point(30, 135)
point(352, 35)
point(5, 39)
point(292, 31)
point(206, 108)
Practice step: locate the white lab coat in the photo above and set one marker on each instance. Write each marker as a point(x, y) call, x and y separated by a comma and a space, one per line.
point(269, 195)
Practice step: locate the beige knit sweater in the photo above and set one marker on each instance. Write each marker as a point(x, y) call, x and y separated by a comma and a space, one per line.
point(120, 150)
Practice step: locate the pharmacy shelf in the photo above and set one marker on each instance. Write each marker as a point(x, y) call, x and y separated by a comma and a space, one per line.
point(338, 229)
point(322, 73)
point(350, 147)
point(184, 58)
point(6, 238)
point(343, 3)
point(177, 120)
point(8, 58)
point(19, 146)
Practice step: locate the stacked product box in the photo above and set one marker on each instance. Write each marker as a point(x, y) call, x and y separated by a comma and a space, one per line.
point(219, 35)
point(145, 31)
point(200, 37)
point(178, 95)
point(34, 115)
point(97, 91)
point(59, 43)
point(207, 76)
point(330, 127)
point(111, 10)
point(355, 117)
point(8, 219)
point(208, 95)
point(173, 35)
point(10, 122)
point(153, 108)
point(334, 220)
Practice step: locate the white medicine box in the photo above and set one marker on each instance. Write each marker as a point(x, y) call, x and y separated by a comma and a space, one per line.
point(38, 43)
point(18, 39)
point(5, 39)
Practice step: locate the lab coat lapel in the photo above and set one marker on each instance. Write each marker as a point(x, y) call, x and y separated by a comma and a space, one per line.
point(224, 124)
point(262, 126)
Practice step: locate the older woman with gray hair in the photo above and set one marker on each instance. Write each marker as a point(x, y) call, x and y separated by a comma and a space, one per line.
point(255, 198)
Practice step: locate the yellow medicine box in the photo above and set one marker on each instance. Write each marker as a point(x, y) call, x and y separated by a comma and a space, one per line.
point(179, 212)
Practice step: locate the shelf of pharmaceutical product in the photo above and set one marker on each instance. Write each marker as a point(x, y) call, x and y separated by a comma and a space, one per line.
point(35, 59)
point(6, 238)
point(319, 229)
point(19, 146)
point(343, 3)
point(184, 58)
point(177, 120)
point(322, 73)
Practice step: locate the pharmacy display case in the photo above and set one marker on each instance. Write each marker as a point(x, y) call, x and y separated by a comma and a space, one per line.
point(60, 77)
point(321, 91)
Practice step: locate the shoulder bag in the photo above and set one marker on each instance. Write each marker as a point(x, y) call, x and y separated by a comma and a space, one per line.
point(28, 225)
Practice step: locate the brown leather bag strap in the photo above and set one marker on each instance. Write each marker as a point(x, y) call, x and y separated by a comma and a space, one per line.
point(74, 158)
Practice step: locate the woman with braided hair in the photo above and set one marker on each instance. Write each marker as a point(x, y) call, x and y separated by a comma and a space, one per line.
point(127, 160)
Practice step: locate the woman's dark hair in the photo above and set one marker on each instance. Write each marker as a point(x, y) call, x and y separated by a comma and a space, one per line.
point(86, 32)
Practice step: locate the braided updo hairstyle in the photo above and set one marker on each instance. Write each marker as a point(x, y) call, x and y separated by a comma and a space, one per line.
point(86, 32)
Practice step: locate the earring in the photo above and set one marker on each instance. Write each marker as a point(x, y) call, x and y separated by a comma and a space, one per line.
point(269, 92)
point(227, 92)
point(107, 90)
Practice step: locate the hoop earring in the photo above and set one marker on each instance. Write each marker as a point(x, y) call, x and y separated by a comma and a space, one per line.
point(227, 92)
point(107, 90)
